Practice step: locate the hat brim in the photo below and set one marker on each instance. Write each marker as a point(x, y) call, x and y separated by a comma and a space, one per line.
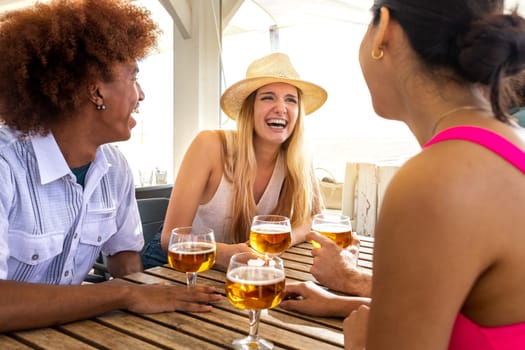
point(232, 99)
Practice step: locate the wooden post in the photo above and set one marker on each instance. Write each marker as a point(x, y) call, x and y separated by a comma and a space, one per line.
point(363, 190)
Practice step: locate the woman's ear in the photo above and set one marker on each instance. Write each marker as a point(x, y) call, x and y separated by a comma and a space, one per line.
point(94, 94)
point(381, 35)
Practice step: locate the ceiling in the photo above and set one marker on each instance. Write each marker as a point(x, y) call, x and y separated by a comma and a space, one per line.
point(261, 14)
point(280, 12)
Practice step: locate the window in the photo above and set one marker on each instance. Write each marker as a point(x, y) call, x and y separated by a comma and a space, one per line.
point(149, 151)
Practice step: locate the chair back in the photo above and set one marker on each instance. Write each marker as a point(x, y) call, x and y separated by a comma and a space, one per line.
point(152, 212)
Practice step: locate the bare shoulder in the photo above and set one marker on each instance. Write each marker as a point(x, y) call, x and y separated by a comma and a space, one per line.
point(205, 145)
point(207, 138)
point(449, 199)
point(442, 192)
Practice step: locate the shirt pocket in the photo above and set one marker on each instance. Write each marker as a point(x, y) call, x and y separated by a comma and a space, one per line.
point(35, 249)
point(99, 226)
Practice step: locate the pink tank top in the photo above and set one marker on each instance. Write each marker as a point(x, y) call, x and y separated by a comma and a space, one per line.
point(485, 138)
point(466, 334)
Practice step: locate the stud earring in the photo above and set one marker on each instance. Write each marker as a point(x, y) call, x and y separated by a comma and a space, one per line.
point(101, 107)
point(377, 56)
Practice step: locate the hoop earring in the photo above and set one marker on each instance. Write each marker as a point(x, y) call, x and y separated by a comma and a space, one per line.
point(377, 56)
point(101, 107)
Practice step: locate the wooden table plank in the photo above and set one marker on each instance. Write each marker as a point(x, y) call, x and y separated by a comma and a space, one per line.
point(100, 335)
point(304, 259)
point(8, 343)
point(52, 339)
point(300, 250)
point(154, 332)
point(225, 323)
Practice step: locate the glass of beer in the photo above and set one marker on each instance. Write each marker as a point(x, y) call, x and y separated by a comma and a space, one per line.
point(270, 234)
point(337, 227)
point(191, 249)
point(254, 282)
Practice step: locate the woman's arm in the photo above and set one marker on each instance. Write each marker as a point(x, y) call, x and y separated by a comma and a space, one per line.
point(311, 299)
point(202, 163)
point(299, 232)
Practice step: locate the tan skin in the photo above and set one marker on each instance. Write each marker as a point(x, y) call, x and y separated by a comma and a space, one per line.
point(445, 244)
point(312, 299)
point(202, 166)
point(334, 268)
point(347, 277)
point(78, 139)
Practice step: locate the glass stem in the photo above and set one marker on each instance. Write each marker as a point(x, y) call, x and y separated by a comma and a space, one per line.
point(254, 316)
point(191, 279)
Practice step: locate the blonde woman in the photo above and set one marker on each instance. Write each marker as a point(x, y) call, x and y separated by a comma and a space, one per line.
point(227, 177)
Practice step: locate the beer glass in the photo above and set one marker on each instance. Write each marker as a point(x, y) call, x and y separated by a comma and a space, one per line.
point(337, 227)
point(270, 234)
point(191, 249)
point(254, 282)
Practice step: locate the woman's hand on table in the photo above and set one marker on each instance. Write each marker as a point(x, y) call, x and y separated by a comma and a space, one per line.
point(310, 299)
point(225, 252)
point(336, 268)
point(355, 328)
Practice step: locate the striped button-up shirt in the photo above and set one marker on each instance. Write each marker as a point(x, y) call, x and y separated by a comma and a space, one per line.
point(51, 229)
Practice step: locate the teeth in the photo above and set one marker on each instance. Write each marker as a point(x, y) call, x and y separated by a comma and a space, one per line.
point(276, 122)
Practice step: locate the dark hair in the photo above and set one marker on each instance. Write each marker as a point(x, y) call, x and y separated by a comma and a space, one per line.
point(51, 52)
point(516, 90)
point(472, 37)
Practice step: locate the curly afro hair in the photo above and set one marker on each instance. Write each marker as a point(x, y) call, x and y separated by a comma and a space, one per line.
point(51, 52)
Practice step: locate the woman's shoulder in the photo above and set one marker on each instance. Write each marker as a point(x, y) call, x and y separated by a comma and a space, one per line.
point(208, 140)
point(215, 136)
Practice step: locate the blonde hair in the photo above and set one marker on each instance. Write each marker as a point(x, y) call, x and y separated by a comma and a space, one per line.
point(299, 197)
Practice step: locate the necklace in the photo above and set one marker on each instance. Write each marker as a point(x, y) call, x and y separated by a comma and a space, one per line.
point(448, 113)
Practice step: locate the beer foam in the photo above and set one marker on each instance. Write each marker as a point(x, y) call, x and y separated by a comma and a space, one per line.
point(192, 248)
point(256, 262)
point(270, 228)
point(254, 275)
point(332, 228)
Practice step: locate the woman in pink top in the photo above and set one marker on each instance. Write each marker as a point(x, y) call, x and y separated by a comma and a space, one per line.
point(450, 239)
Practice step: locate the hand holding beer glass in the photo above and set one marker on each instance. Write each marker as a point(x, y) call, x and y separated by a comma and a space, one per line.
point(337, 227)
point(270, 234)
point(191, 249)
point(254, 282)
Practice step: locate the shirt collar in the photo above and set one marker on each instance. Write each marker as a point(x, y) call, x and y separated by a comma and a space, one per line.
point(51, 162)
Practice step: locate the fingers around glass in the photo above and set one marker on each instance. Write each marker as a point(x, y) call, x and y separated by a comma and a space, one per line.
point(336, 227)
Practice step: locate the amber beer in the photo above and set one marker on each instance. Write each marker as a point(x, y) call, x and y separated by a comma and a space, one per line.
point(340, 234)
point(191, 256)
point(254, 287)
point(270, 239)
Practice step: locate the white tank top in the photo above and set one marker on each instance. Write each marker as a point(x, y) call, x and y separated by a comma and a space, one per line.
point(217, 213)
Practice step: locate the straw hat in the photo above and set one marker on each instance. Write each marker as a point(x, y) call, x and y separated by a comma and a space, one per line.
point(274, 68)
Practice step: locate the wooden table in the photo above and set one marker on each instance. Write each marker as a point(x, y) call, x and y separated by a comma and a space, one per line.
point(181, 330)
